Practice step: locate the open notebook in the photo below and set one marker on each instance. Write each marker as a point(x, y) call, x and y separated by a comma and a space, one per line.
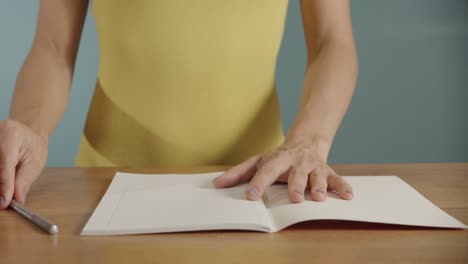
point(142, 203)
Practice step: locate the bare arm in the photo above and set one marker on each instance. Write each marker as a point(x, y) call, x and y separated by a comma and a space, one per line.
point(40, 97)
point(328, 87)
point(43, 84)
point(330, 76)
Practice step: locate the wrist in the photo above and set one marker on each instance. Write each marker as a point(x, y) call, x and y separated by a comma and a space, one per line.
point(314, 142)
point(37, 127)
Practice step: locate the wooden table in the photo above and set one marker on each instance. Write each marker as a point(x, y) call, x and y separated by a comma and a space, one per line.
point(68, 196)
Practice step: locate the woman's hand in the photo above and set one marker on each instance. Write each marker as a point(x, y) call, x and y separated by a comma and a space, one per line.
point(300, 165)
point(329, 82)
point(23, 154)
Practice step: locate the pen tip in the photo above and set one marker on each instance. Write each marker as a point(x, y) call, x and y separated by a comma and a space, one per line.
point(53, 230)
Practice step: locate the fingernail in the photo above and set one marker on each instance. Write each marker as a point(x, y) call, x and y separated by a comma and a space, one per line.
point(299, 192)
point(253, 191)
point(322, 193)
point(350, 193)
point(2, 200)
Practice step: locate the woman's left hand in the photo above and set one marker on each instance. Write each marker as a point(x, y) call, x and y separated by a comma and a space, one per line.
point(302, 166)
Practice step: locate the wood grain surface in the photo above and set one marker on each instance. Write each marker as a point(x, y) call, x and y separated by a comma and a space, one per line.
point(68, 196)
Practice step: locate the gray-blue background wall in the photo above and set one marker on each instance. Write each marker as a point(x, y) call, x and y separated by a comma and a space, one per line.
point(410, 102)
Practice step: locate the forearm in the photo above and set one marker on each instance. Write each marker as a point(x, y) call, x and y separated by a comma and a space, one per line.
point(42, 91)
point(328, 87)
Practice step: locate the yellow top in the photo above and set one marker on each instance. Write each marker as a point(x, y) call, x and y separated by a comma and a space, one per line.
point(184, 83)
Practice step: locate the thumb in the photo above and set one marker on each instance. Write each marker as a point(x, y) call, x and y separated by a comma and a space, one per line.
point(237, 174)
point(7, 182)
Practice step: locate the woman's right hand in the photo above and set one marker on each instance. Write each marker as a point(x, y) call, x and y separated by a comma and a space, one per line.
point(23, 154)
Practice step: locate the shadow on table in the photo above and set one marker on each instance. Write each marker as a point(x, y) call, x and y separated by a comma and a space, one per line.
point(354, 225)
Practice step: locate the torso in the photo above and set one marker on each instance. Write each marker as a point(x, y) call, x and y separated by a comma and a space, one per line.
point(184, 82)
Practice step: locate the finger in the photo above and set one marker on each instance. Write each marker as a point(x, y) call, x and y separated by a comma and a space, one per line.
point(7, 181)
point(284, 177)
point(25, 176)
point(266, 175)
point(344, 190)
point(297, 183)
point(318, 184)
point(237, 174)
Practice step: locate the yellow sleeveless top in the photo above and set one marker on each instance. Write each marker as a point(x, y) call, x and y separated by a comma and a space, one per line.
point(184, 83)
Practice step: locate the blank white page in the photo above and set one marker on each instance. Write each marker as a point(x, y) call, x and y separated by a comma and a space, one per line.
point(378, 199)
point(136, 204)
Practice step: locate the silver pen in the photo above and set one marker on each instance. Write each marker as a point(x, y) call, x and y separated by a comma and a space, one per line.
point(36, 219)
